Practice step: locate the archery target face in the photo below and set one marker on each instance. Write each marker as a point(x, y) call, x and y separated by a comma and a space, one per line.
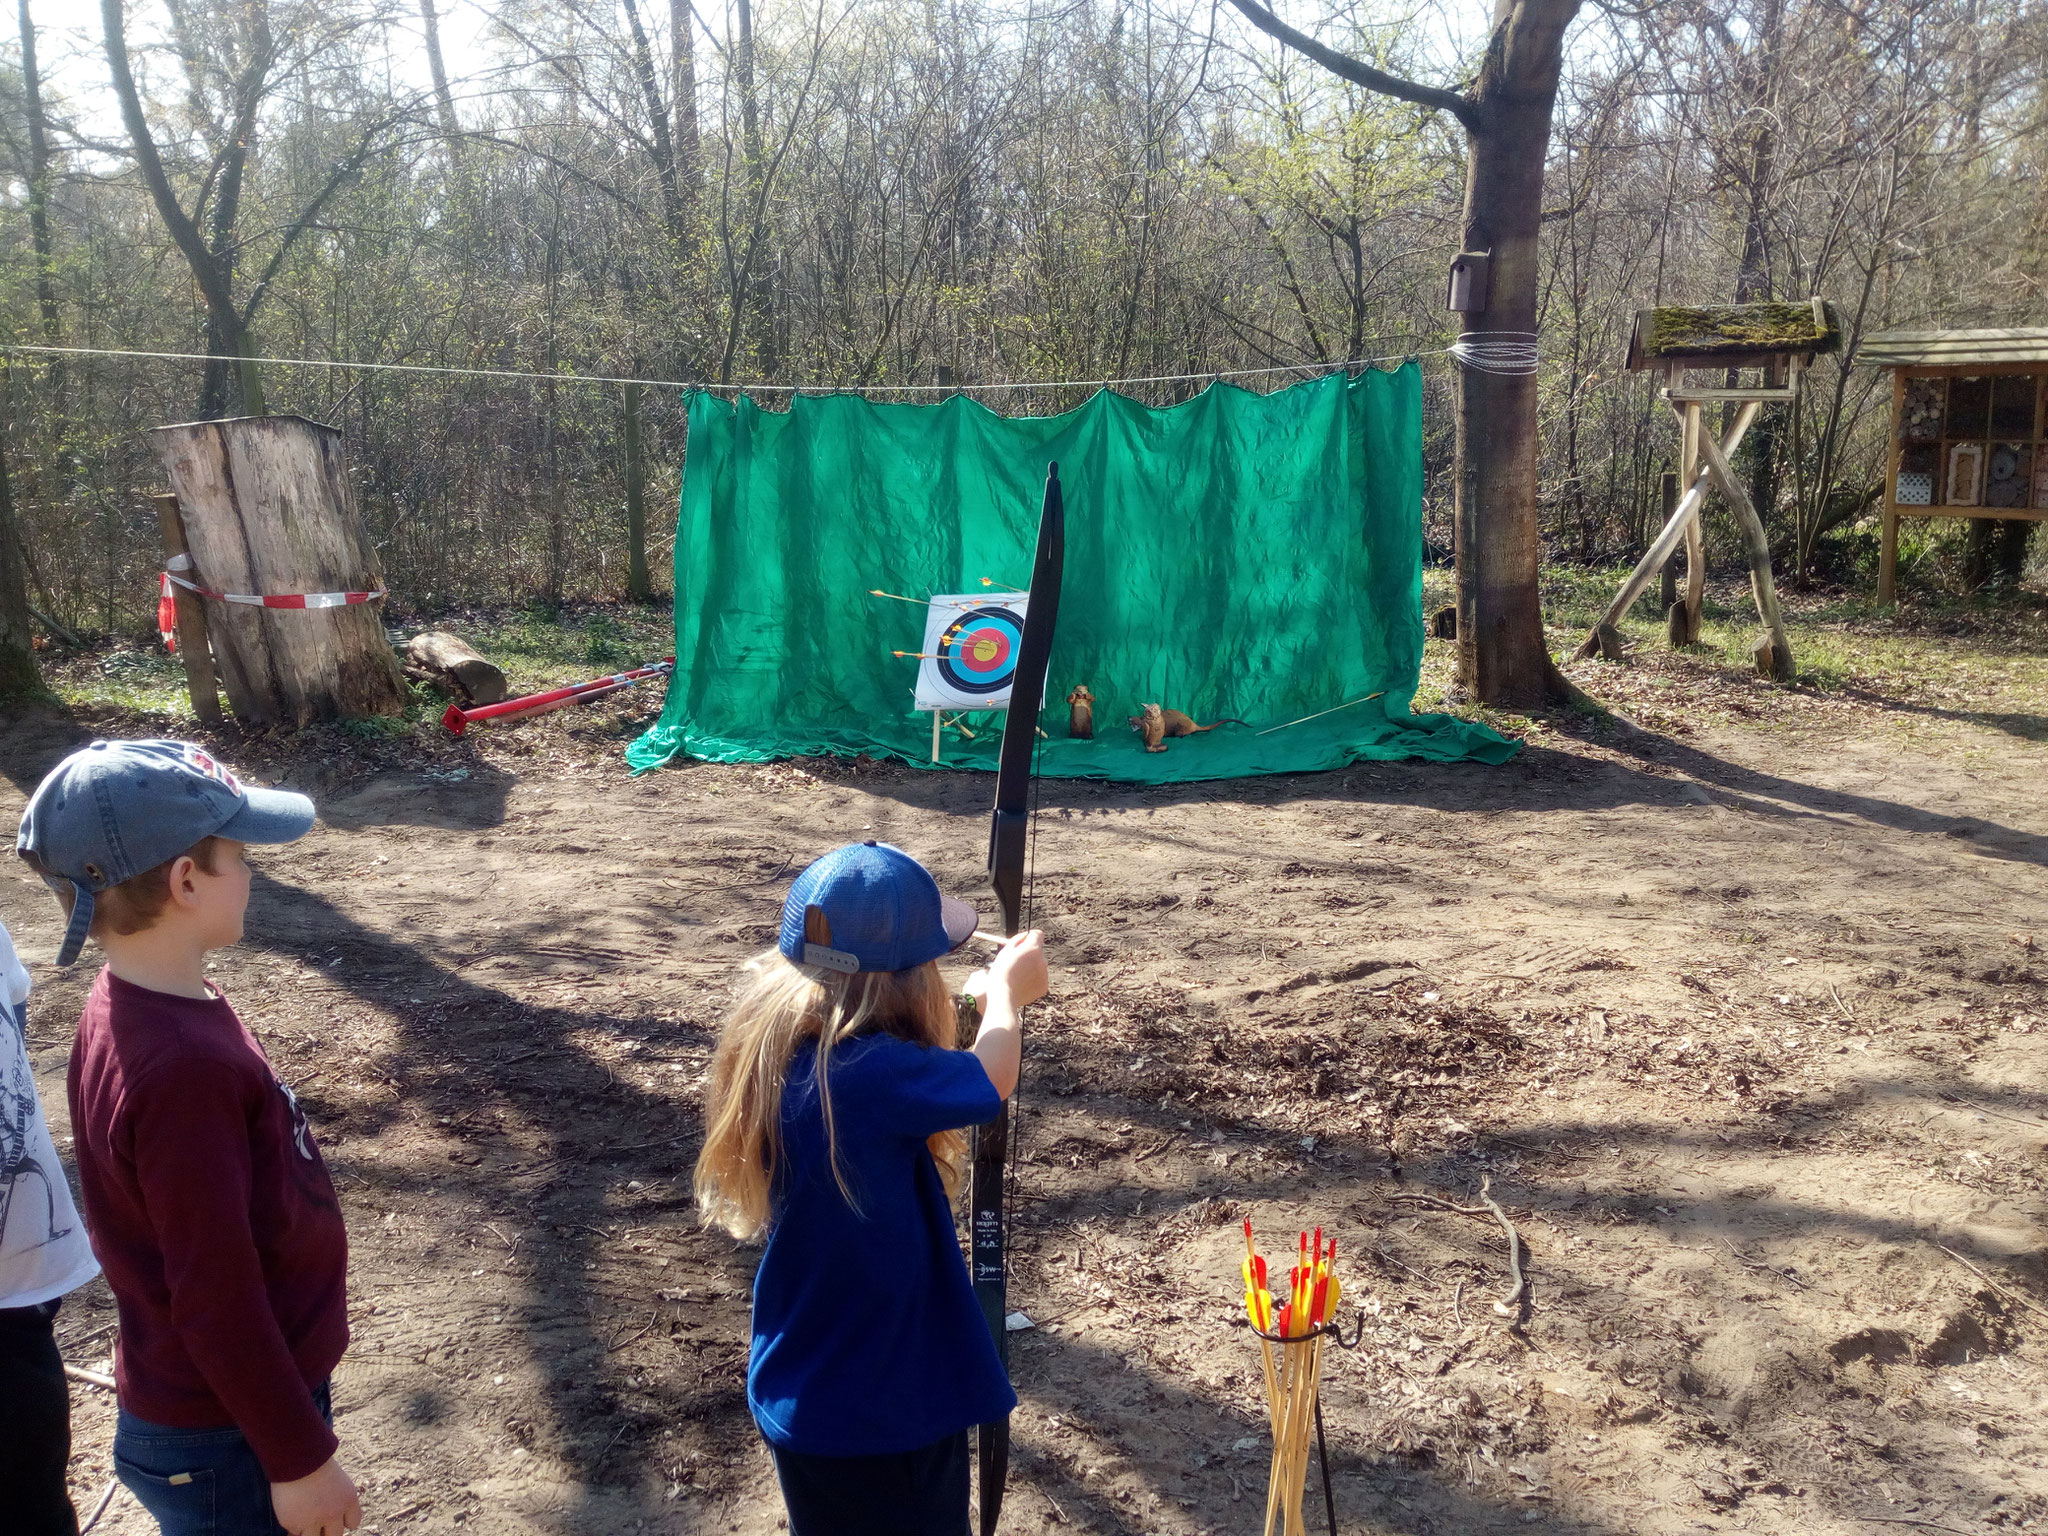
point(971, 644)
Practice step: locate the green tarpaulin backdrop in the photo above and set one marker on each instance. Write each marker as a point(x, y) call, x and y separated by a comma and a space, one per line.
point(1239, 554)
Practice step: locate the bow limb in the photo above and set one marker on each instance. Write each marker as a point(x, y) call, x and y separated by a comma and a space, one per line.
point(1009, 830)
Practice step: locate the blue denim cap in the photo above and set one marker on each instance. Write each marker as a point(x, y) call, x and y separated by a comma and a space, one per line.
point(115, 808)
point(882, 912)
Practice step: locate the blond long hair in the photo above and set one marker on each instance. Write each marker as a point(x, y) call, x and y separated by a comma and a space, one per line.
point(782, 1007)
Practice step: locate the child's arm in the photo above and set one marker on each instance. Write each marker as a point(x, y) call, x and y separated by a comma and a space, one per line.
point(1015, 977)
point(322, 1503)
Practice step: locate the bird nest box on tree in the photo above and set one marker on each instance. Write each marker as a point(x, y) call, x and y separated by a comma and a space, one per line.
point(1781, 339)
point(1969, 429)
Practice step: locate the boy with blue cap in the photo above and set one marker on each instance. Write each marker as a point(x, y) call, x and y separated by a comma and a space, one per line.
point(836, 1126)
point(210, 1209)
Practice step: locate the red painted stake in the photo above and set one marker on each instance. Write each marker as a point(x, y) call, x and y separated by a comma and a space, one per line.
point(458, 719)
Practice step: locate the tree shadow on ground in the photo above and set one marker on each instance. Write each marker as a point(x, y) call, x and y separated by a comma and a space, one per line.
point(1538, 779)
point(467, 1051)
point(2027, 727)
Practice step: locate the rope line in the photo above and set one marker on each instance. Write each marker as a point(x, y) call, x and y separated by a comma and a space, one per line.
point(1305, 370)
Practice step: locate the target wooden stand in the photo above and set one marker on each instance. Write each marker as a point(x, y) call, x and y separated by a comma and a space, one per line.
point(1969, 432)
point(1777, 340)
point(939, 720)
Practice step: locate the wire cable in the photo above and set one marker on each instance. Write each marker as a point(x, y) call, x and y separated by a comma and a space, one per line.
point(1303, 370)
point(1511, 354)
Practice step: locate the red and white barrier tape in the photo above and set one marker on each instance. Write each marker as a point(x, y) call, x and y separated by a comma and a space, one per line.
point(285, 600)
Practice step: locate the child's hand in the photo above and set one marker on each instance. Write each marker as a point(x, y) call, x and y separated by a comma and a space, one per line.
point(1018, 969)
point(322, 1503)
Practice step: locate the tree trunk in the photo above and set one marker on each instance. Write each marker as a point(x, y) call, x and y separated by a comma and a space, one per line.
point(683, 94)
point(39, 199)
point(1502, 658)
point(1995, 552)
point(649, 80)
point(1753, 272)
point(637, 587)
point(18, 674)
point(756, 293)
point(268, 511)
point(444, 99)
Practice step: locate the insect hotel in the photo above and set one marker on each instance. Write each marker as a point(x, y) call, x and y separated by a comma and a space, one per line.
point(1967, 429)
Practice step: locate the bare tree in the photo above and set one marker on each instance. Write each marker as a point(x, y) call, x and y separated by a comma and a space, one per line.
point(1506, 115)
point(241, 52)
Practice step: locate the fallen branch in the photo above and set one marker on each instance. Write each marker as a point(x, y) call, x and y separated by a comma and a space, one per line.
point(652, 1323)
point(1760, 1267)
point(1985, 1109)
point(1973, 1269)
point(106, 1498)
point(86, 1338)
point(90, 1378)
point(1512, 1304)
point(1516, 1300)
point(1932, 1525)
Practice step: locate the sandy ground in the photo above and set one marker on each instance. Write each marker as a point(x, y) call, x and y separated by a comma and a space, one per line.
point(1746, 1026)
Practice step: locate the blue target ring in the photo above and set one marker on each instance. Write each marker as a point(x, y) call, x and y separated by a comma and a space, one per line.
point(977, 653)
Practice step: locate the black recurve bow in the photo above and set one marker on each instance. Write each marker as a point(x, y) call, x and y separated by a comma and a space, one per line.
point(1009, 830)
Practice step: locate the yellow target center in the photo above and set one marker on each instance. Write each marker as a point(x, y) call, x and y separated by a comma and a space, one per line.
point(983, 650)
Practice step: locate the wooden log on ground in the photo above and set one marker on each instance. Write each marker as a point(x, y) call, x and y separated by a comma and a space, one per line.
point(268, 511)
point(455, 668)
point(1443, 624)
point(195, 648)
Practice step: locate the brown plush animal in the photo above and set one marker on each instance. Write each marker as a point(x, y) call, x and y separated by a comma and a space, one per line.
point(1081, 713)
point(1156, 724)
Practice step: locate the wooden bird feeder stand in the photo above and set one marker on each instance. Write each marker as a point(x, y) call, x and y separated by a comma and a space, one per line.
point(1969, 432)
point(1778, 341)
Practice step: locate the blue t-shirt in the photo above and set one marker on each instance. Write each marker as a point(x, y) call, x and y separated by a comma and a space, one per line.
point(867, 1336)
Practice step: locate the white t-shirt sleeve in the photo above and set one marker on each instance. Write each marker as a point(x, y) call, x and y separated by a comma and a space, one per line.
point(13, 974)
point(43, 1247)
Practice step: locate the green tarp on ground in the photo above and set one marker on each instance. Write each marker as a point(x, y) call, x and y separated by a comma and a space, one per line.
point(1257, 556)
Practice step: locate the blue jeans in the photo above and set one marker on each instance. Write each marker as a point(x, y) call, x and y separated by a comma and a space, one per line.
point(199, 1482)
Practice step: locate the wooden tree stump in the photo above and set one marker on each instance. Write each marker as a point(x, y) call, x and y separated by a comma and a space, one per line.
point(268, 510)
point(1443, 624)
point(444, 662)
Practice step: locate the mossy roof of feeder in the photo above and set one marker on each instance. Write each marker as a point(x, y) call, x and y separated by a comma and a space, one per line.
point(1725, 332)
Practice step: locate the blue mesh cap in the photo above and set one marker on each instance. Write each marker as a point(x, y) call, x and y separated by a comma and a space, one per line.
point(115, 808)
point(881, 911)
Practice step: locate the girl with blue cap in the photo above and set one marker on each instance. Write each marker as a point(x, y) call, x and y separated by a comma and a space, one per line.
point(836, 1128)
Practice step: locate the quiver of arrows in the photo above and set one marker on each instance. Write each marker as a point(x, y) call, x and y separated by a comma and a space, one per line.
point(1295, 1328)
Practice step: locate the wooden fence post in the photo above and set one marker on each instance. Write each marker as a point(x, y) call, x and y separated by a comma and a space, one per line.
point(195, 649)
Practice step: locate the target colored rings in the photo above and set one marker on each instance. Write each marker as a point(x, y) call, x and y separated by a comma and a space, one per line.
point(977, 652)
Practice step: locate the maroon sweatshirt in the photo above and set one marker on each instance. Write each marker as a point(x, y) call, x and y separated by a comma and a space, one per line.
point(214, 1219)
